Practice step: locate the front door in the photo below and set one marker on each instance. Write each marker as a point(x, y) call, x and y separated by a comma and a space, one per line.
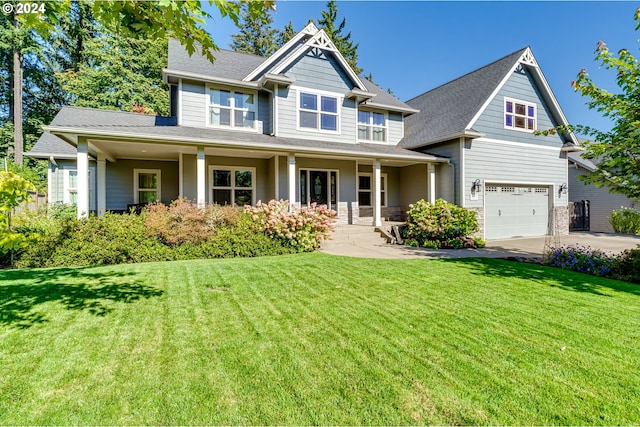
point(320, 187)
point(318, 183)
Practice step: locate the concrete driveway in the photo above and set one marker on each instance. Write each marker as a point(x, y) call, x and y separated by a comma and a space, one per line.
point(362, 242)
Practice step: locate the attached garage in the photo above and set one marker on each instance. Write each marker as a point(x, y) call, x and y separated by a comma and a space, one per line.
point(516, 211)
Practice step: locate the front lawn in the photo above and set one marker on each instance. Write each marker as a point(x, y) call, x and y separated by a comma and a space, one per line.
point(315, 339)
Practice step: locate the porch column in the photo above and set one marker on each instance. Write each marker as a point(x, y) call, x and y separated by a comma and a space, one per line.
point(201, 177)
point(276, 168)
point(377, 199)
point(102, 184)
point(83, 178)
point(291, 176)
point(432, 182)
point(180, 175)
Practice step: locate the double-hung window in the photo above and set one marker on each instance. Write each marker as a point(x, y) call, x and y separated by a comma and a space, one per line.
point(519, 115)
point(146, 185)
point(318, 112)
point(371, 126)
point(232, 109)
point(232, 185)
point(70, 196)
point(365, 189)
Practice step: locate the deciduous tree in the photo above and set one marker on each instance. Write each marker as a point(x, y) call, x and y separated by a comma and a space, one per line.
point(617, 151)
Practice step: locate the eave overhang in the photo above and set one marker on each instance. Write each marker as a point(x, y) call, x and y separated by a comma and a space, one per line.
point(172, 77)
point(70, 135)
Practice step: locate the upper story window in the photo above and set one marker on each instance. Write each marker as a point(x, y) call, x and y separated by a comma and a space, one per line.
point(232, 109)
point(318, 112)
point(519, 115)
point(372, 126)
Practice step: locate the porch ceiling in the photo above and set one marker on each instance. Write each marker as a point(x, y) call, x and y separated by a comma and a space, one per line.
point(151, 151)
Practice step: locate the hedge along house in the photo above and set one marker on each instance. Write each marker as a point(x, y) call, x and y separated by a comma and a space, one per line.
point(299, 125)
point(484, 123)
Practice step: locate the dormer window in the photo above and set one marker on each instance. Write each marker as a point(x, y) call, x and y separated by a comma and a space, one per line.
point(519, 115)
point(232, 109)
point(372, 126)
point(318, 112)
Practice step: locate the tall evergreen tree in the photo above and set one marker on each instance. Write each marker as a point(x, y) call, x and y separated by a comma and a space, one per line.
point(286, 34)
point(257, 35)
point(343, 42)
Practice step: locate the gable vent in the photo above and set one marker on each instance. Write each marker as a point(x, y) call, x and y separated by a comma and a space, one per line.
point(527, 58)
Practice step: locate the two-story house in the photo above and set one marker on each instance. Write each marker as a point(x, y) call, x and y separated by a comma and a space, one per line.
point(300, 125)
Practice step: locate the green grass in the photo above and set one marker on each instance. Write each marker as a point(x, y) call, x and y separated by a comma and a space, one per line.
point(315, 339)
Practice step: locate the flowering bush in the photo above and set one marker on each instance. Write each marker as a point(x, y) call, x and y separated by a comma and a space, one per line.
point(184, 222)
point(582, 259)
point(441, 224)
point(303, 229)
point(625, 220)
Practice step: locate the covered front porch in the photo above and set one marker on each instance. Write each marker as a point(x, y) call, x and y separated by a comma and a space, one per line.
point(363, 188)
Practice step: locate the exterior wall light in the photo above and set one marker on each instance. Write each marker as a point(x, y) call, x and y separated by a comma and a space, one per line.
point(476, 186)
point(563, 188)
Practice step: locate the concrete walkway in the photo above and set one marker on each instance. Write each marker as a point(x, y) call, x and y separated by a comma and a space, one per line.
point(361, 241)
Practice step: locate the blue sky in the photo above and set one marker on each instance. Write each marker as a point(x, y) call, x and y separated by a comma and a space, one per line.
point(414, 46)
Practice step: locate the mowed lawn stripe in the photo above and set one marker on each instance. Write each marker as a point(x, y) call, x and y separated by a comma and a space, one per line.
point(317, 339)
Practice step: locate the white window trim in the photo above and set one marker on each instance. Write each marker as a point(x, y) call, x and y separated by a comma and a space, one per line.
point(527, 105)
point(136, 172)
point(232, 169)
point(208, 106)
point(383, 202)
point(317, 93)
point(65, 186)
point(308, 188)
point(371, 126)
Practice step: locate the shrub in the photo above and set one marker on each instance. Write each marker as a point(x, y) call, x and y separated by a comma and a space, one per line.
point(582, 259)
point(627, 266)
point(449, 225)
point(229, 242)
point(626, 221)
point(184, 222)
point(112, 239)
point(301, 229)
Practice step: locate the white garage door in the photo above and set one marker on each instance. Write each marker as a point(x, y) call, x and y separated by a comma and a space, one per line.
point(516, 211)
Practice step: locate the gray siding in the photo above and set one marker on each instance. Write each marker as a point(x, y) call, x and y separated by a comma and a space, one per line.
point(445, 180)
point(519, 86)
point(193, 104)
point(602, 202)
point(414, 184)
point(288, 120)
point(395, 128)
point(502, 163)
point(320, 73)
point(447, 185)
point(120, 181)
point(264, 113)
point(57, 182)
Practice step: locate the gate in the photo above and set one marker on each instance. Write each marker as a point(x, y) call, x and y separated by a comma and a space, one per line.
point(579, 216)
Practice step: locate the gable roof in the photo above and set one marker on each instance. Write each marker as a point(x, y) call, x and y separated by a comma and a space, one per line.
point(450, 110)
point(110, 124)
point(228, 64)
point(310, 37)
